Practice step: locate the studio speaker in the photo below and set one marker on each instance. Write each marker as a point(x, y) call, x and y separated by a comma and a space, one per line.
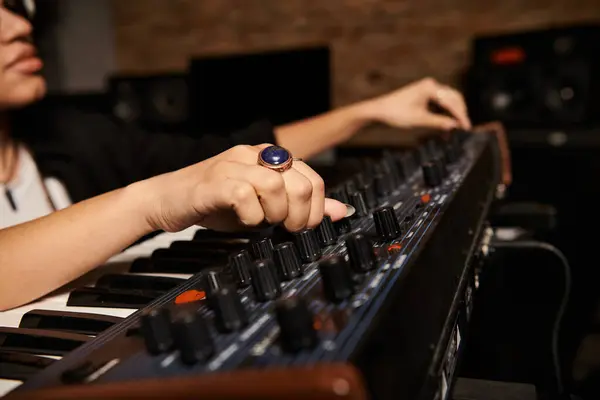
point(538, 79)
point(156, 103)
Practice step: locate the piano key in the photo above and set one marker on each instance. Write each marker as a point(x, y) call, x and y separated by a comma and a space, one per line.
point(111, 298)
point(21, 366)
point(208, 244)
point(138, 282)
point(84, 323)
point(203, 234)
point(200, 254)
point(7, 386)
point(40, 341)
point(170, 265)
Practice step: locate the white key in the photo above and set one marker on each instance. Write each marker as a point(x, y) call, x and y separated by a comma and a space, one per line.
point(117, 264)
point(7, 386)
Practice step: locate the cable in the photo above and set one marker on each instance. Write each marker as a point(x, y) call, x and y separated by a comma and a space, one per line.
point(532, 244)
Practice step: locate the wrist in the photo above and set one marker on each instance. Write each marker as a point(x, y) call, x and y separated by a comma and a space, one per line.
point(141, 199)
point(366, 111)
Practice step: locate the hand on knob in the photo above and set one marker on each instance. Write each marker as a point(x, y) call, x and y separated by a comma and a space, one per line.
point(408, 107)
point(231, 191)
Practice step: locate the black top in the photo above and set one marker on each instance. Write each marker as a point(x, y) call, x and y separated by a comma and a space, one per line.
point(92, 154)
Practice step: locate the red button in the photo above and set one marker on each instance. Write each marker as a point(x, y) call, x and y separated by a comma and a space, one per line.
point(190, 296)
point(394, 247)
point(426, 198)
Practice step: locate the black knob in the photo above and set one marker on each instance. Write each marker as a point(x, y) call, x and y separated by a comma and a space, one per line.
point(440, 163)
point(350, 188)
point(388, 167)
point(230, 314)
point(450, 153)
point(456, 144)
point(431, 175)
point(386, 223)
point(343, 226)
point(155, 327)
point(336, 278)
point(360, 252)
point(358, 202)
point(369, 194)
point(239, 264)
point(265, 281)
point(382, 185)
point(192, 337)
point(263, 249)
point(339, 193)
point(296, 325)
point(308, 245)
point(211, 282)
point(287, 261)
point(326, 232)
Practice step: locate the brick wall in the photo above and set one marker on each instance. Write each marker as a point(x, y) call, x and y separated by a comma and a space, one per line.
point(377, 44)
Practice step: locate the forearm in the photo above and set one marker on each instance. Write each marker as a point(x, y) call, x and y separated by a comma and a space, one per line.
point(41, 255)
point(311, 136)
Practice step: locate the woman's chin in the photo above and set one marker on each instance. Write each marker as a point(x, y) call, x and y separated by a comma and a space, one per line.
point(28, 91)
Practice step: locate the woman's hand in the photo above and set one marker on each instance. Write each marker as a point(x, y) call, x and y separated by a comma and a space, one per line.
point(230, 191)
point(408, 107)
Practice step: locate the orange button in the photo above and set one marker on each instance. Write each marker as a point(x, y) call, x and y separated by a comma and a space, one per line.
point(426, 198)
point(190, 296)
point(394, 247)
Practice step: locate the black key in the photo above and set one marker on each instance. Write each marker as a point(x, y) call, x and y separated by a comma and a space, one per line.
point(170, 265)
point(67, 321)
point(111, 298)
point(203, 234)
point(40, 341)
point(138, 282)
point(202, 255)
point(21, 366)
point(208, 245)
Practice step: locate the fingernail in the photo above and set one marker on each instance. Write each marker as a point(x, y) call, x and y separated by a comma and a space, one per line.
point(350, 210)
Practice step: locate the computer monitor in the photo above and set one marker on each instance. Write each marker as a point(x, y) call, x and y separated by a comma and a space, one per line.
point(229, 92)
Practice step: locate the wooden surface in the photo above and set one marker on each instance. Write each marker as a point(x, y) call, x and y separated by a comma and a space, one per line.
point(321, 382)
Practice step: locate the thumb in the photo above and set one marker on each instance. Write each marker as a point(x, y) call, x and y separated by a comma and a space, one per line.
point(437, 121)
point(335, 209)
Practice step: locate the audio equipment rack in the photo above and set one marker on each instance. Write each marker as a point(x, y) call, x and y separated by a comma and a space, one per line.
point(385, 295)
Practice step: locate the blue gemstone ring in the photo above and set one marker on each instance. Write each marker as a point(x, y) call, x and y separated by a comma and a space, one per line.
point(276, 158)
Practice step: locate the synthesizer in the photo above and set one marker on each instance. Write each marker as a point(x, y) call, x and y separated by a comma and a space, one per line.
point(387, 290)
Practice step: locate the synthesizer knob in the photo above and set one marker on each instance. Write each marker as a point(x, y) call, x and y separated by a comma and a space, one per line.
point(192, 337)
point(450, 153)
point(326, 232)
point(239, 264)
point(230, 314)
point(343, 226)
point(296, 325)
point(211, 282)
point(431, 175)
point(287, 261)
point(456, 144)
point(386, 223)
point(383, 188)
point(155, 327)
point(263, 249)
point(369, 194)
point(339, 193)
point(388, 168)
point(358, 202)
point(308, 245)
point(360, 252)
point(440, 163)
point(265, 281)
point(336, 278)
point(350, 188)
